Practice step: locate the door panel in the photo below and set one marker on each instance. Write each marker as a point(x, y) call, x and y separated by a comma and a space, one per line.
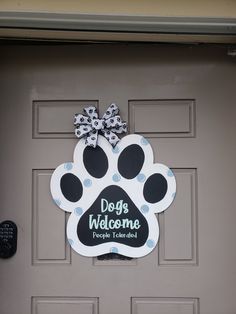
point(178, 225)
point(157, 113)
point(48, 225)
point(182, 98)
point(164, 305)
point(54, 305)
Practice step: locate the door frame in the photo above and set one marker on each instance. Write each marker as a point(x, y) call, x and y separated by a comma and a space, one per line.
point(109, 28)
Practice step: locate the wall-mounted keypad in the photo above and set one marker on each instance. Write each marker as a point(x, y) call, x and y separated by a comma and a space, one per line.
point(8, 239)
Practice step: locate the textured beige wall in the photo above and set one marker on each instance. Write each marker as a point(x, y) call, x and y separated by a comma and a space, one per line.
point(185, 8)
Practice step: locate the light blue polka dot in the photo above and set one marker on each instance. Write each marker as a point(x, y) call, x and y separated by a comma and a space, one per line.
point(57, 202)
point(144, 209)
point(114, 250)
point(144, 141)
point(115, 150)
point(71, 241)
point(141, 177)
point(78, 211)
point(150, 243)
point(87, 183)
point(170, 173)
point(173, 195)
point(68, 166)
point(116, 177)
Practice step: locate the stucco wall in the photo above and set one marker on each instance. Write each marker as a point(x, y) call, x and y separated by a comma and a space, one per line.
point(183, 8)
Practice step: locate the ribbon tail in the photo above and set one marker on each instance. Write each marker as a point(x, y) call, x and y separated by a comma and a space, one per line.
point(92, 138)
point(112, 138)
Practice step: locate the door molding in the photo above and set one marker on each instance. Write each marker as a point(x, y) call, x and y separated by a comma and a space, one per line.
point(19, 23)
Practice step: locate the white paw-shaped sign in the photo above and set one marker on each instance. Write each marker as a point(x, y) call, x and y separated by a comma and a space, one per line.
point(113, 195)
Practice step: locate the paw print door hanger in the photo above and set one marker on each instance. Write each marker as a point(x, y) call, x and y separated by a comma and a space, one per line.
point(112, 189)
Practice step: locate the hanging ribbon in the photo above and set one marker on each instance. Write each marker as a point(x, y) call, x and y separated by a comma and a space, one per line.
point(89, 125)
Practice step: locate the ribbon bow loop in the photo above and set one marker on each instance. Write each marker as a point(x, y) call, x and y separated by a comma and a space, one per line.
point(89, 125)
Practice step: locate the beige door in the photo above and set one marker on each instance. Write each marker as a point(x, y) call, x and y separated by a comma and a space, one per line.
point(187, 97)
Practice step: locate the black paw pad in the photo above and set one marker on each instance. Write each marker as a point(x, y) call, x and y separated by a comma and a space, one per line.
point(71, 187)
point(95, 161)
point(131, 161)
point(155, 188)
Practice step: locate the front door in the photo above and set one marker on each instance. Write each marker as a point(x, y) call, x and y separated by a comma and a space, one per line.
point(182, 98)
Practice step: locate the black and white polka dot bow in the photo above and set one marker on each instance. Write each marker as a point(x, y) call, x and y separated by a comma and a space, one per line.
point(89, 125)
